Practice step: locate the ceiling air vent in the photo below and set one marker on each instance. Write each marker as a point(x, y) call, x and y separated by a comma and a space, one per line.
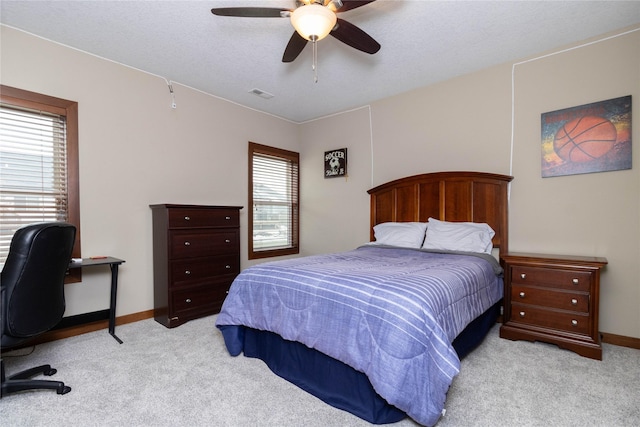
point(261, 93)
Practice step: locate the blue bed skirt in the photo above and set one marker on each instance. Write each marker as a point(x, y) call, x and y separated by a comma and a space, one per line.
point(332, 381)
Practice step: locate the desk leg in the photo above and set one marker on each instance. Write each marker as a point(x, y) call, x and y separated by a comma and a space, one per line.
point(112, 305)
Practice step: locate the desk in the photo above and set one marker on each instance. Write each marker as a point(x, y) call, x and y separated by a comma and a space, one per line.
point(113, 265)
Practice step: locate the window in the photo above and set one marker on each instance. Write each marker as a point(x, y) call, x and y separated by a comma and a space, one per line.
point(273, 198)
point(38, 164)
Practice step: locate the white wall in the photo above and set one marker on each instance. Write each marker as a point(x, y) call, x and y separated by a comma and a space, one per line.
point(135, 150)
point(593, 214)
point(460, 124)
point(335, 211)
point(465, 124)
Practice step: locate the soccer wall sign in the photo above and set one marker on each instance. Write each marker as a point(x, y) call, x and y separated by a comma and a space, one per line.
point(588, 138)
point(335, 163)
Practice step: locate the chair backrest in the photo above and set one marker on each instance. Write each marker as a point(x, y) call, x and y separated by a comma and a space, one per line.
point(32, 282)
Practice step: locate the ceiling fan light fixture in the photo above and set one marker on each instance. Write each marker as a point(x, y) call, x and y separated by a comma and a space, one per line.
point(313, 21)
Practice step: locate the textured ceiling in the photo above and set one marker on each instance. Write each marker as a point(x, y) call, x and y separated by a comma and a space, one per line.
point(423, 42)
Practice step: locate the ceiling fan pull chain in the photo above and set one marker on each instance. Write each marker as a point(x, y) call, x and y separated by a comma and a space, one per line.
point(315, 62)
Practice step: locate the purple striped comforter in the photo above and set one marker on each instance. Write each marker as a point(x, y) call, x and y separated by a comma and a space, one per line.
point(391, 313)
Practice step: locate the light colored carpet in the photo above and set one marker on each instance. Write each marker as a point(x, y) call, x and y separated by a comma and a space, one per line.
point(185, 377)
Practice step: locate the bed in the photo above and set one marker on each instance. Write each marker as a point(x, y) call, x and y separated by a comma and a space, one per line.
point(379, 331)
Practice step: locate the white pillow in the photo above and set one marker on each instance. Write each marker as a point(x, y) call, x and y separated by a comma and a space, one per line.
point(459, 236)
point(404, 234)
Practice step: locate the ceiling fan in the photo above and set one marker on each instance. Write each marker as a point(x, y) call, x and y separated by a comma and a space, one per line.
point(313, 20)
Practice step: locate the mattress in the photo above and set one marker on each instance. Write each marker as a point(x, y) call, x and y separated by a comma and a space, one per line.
point(390, 313)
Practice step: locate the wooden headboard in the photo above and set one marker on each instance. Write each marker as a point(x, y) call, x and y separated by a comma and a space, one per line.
point(447, 196)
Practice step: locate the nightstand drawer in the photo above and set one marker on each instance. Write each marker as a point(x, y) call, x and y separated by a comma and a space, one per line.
point(558, 278)
point(564, 300)
point(561, 320)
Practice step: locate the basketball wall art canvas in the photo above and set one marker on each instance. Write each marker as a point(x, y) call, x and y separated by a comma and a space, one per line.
point(588, 138)
point(335, 163)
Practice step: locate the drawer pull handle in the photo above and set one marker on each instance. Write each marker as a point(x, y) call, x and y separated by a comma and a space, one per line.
point(227, 266)
point(522, 314)
point(523, 276)
point(574, 322)
point(227, 241)
point(188, 300)
point(187, 272)
point(227, 218)
point(187, 244)
point(521, 294)
point(575, 281)
point(574, 301)
point(186, 218)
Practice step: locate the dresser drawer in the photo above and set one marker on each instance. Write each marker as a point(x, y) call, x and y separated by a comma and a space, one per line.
point(561, 320)
point(194, 218)
point(191, 271)
point(558, 278)
point(564, 300)
point(199, 299)
point(199, 243)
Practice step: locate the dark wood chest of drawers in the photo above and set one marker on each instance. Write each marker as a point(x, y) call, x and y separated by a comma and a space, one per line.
point(196, 256)
point(553, 299)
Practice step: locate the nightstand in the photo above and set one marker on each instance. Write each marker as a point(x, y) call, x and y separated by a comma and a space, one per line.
point(553, 298)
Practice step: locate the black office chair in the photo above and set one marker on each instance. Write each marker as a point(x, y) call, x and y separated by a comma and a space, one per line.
point(32, 295)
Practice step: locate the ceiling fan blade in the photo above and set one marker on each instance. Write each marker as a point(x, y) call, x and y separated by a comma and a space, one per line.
point(349, 34)
point(352, 4)
point(294, 47)
point(250, 12)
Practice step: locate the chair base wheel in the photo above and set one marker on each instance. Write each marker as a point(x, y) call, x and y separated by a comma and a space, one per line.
point(22, 381)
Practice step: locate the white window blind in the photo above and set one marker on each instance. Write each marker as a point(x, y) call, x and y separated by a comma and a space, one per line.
point(275, 202)
point(33, 170)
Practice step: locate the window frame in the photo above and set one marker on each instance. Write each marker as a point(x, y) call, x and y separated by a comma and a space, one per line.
point(26, 99)
point(286, 155)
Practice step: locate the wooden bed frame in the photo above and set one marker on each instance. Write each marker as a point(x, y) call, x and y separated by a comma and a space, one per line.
point(447, 196)
point(451, 196)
